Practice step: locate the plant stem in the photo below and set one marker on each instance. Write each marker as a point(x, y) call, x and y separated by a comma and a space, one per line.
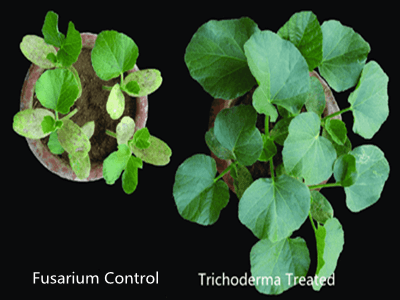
point(226, 171)
point(271, 162)
point(110, 133)
point(70, 115)
point(312, 222)
point(319, 186)
point(334, 115)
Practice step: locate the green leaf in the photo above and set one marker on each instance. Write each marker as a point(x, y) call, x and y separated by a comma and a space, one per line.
point(28, 122)
point(304, 31)
point(345, 53)
point(36, 51)
point(143, 82)
point(113, 54)
point(345, 170)
point(71, 47)
point(50, 30)
point(242, 180)
point(198, 198)
point(130, 175)
point(340, 149)
point(125, 130)
point(337, 130)
point(88, 129)
point(54, 144)
point(215, 57)
point(235, 128)
point(280, 70)
point(274, 209)
point(141, 138)
point(321, 210)
point(48, 124)
point(115, 163)
point(369, 101)
point(305, 153)
point(116, 102)
point(73, 139)
point(281, 130)
point(316, 97)
point(373, 171)
point(215, 146)
point(80, 165)
point(272, 262)
point(330, 241)
point(157, 154)
point(57, 89)
point(269, 149)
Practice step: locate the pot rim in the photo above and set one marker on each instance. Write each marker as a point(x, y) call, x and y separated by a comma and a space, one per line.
point(50, 161)
point(219, 104)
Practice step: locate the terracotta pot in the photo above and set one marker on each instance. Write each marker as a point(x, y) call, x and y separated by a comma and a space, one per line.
point(51, 161)
point(219, 104)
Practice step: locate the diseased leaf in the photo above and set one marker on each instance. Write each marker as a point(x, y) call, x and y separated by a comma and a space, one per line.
point(304, 31)
point(373, 171)
point(281, 72)
point(330, 241)
point(116, 102)
point(198, 198)
point(274, 265)
point(344, 55)
point(345, 170)
point(147, 81)
point(215, 57)
point(28, 122)
point(113, 54)
point(158, 153)
point(215, 146)
point(115, 163)
point(235, 128)
point(305, 153)
point(130, 175)
point(88, 129)
point(321, 209)
point(57, 89)
point(73, 139)
point(36, 51)
point(369, 101)
point(80, 165)
point(125, 130)
point(274, 209)
point(54, 144)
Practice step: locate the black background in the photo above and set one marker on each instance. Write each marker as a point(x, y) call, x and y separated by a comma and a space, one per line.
point(55, 226)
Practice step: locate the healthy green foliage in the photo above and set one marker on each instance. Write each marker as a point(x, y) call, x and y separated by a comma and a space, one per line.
point(291, 101)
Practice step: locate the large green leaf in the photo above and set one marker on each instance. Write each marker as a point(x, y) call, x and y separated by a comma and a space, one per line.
point(198, 198)
point(369, 101)
point(274, 209)
point(158, 153)
point(73, 139)
point(280, 70)
point(57, 89)
point(274, 265)
point(304, 31)
point(36, 50)
point(113, 54)
point(345, 53)
point(373, 171)
point(330, 241)
point(28, 122)
point(305, 153)
point(215, 57)
point(235, 128)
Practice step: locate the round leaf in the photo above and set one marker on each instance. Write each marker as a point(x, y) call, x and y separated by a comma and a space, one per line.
point(113, 54)
point(373, 171)
point(215, 57)
point(73, 139)
point(157, 154)
point(369, 101)
point(28, 122)
point(36, 50)
point(125, 130)
point(148, 81)
point(198, 198)
point(274, 209)
point(116, 102)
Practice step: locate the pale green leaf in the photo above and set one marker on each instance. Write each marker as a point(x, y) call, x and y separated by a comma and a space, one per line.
point(148, 81)
point(36, 50)
point(305, 153)
point(274, 265)
point(73, 139)
point(215, 57)
point(157, 154)
point(373, 171)
point(88, 129)
point(198, 198)
point(369, 101)
point(125, 130)
point(28, 122)
point(115, 163)
point(274, 209)
point(116, 102)
point(80, 165)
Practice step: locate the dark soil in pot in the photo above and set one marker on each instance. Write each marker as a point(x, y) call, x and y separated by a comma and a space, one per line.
point(92, 107)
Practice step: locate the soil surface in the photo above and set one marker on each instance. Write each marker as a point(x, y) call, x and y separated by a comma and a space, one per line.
point(92, 107)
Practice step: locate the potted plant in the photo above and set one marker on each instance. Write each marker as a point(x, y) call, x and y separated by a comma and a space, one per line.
point(283, 119)
point(69, 111)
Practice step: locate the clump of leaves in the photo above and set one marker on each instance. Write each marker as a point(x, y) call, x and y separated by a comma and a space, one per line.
point(113, 54)
point(228, 58)
point(142, 145)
